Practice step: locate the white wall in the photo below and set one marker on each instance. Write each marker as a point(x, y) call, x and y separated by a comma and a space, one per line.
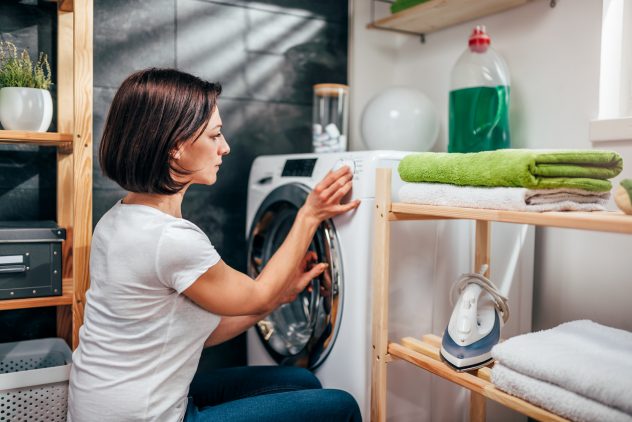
point(553, 55)
point(554, 58)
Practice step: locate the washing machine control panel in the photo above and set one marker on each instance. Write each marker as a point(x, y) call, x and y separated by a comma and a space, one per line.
point(299, 167)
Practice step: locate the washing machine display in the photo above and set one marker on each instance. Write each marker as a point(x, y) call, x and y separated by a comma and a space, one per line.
point(299, 168)
point(300, 333)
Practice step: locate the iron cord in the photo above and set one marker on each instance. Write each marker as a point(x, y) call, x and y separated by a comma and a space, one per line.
point(486, 284)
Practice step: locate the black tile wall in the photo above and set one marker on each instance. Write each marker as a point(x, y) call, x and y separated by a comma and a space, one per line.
point(267, 54)
point(258, 54)
point(27, 173)
point(131, 35)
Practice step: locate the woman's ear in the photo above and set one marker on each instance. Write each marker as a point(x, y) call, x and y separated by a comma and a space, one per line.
point(176, 153)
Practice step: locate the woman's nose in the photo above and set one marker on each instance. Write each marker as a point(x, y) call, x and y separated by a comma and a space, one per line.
point(226, 149)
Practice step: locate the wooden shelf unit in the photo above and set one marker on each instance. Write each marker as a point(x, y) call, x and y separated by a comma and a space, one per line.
point(425, 352)
point(40, 302)
point(74, 164)
point(438, 14)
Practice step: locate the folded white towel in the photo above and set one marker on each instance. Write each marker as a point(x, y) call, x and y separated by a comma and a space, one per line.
point(514, 199)
point(587, 358)
point(553, 398)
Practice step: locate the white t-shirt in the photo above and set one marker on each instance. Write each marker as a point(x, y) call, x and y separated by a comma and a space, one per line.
point(141, 340)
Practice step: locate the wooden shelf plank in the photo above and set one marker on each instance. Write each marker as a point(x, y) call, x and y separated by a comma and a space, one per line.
point(477, 384)
point(438, 14)
point(36, 138)
point(39, 302)
point(606, 221)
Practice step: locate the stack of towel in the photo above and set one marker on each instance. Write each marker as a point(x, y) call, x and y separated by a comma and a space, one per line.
point(511, 179)
point(580, 370)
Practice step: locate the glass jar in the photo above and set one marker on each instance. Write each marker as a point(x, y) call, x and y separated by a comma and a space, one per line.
point(330, 117)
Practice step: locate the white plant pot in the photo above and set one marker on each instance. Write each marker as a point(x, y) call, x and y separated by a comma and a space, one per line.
point(25, 109)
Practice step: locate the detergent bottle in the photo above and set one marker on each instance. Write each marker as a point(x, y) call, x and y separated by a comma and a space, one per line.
point(479, 98)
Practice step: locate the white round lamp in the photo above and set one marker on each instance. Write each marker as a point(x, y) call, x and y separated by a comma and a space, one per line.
point(400, 118)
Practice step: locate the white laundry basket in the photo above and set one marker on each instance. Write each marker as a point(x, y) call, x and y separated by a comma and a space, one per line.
point(34, 380)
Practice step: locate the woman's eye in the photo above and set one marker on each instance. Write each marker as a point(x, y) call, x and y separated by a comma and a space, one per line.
point(219, 135)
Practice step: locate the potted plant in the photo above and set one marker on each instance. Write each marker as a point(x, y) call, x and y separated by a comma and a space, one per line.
point(25, 102)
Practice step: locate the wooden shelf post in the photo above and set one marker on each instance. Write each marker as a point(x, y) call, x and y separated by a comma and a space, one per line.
point(74, 166)
point(82, 151)
point(478, 408)
point(65, 173)
point(379, 338)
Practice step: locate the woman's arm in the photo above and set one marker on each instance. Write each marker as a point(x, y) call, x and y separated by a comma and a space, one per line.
point(230, 327)
point(228, 292)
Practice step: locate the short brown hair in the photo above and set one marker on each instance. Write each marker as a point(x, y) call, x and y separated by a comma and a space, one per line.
point(153, 112)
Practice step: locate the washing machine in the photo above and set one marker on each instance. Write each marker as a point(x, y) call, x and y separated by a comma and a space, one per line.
point(327, 329)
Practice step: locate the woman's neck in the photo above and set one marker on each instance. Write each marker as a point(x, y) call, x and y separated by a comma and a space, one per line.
point(169, 204)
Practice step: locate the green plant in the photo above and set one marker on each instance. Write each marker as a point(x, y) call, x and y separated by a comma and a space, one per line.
point(17, 69)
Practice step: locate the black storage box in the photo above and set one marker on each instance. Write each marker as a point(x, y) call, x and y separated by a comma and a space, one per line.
point(30, 259)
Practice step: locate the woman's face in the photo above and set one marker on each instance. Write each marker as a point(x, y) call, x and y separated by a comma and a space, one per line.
point(203, 155)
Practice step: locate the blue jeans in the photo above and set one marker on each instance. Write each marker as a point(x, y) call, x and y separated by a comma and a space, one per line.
point(266, 394)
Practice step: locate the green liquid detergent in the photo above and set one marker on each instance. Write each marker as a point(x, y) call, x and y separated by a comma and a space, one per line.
point(479, 119)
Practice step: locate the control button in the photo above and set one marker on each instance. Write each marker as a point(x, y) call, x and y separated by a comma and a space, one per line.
point(344, 162)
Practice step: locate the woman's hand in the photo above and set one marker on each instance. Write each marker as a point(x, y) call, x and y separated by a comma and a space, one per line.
point(323, 202)
point(306, 270)
point(225, 291)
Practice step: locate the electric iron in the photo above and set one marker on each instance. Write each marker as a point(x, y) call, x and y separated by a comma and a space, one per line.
point(474, 326)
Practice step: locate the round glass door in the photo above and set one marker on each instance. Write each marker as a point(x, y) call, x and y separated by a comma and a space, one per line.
point(300, 333)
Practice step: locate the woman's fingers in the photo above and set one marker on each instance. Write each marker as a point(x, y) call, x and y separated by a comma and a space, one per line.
point(324, 200)
point(316, 271)
point(308, 276)
point(310, 256)
point(331, 178)
point(341, 192)
point(342, 182)
point(348, 206)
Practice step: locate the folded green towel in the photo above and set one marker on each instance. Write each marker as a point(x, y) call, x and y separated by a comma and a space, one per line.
point(533, 169)
point(400, 5)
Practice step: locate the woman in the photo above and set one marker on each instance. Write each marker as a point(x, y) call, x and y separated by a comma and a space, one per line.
point(159, 290)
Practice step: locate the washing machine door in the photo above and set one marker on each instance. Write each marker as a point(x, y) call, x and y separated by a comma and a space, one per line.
point(300, 333)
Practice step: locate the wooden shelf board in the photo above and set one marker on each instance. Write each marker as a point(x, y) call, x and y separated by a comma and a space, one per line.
point(39, 302)
point(438, 14)
point(607, 221)
point(36, 138)
point(478, 382)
